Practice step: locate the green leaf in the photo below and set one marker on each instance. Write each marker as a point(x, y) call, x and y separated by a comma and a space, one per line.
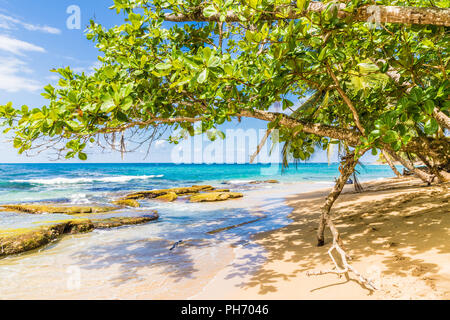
point(301, 4)
point(202, 76)
point(213, 62)
point(322, 54)
point(431, 126)
point(228, 69)
point(209, 11)
point(82, 156)
point(390, 136)
point(429, 106)
point(108, 106)
point(163, 66)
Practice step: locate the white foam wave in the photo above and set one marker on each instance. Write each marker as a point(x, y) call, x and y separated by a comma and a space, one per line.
point(79, 198)
point(87, 180)
point(239, 181)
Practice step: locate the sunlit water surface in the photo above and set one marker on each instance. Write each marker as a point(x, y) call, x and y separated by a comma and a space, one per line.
point(136, 262)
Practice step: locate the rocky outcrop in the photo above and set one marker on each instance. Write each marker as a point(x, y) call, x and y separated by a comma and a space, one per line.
point(141, 195)
point(39, 209)
point(168, 197)
point(123, 221)
point(127, 203)
point(22, 240)
point(215, 196)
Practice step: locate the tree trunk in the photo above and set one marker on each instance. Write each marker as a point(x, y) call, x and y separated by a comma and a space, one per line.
point(390, 163)
point(374, 14)
point(425, 177)
point(347, 168)
point(441, 118)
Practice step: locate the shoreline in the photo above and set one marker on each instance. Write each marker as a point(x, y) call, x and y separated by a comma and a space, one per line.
point(384, 230)
point(406, 263)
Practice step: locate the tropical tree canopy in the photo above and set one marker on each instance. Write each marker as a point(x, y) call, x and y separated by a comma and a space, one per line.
point(366, 76)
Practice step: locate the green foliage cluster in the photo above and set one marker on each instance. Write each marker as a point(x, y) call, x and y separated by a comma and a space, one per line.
point(154, 73)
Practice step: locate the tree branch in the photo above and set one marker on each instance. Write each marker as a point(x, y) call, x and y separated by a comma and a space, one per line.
point(350, 136)
point(374, 14)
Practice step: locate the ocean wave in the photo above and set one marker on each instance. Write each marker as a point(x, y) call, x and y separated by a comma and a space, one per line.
point(79, 198)
point(239, 181)
point(60, 180)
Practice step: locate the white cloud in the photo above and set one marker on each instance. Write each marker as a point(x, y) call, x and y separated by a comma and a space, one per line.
point(13, 76)
point(90, 70)
point(16, 46)
point(9, 23)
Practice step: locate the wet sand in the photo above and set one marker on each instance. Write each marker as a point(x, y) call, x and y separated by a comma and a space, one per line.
point(397, 232)
point(135, 263)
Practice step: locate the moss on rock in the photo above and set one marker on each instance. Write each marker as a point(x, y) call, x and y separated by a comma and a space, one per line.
point(123, 221)
point(127, 203)
point(221, 190)
point(168, 197)
point(157, 193)
point(14, 241)
point(39, 209)
point(21, 240)
point(215, 196)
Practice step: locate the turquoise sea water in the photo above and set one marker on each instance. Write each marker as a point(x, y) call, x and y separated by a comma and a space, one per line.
point(53, 181)
point(133, 249)
point(80, 184)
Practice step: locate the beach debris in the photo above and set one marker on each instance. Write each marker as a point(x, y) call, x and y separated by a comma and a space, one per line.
point(141, 195)
point(52, 209)
point(17, 241)
point(176, 244)
point(127, 203)
point(215, 196)
point(168, 197)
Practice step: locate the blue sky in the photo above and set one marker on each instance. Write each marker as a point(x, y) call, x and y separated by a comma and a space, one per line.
point(34, 38)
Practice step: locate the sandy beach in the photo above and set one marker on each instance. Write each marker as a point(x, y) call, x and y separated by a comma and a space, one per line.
point(396, 231)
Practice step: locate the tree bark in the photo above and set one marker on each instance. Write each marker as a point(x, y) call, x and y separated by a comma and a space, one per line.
point(425, 177)
point(352, 137)
point(441, 118)
point(347, 168)
point(390, 163)
point(346, 99)
point(374, 14)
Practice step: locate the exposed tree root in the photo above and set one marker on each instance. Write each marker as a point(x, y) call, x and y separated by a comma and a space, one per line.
point(346, 169)
point(347, 268)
